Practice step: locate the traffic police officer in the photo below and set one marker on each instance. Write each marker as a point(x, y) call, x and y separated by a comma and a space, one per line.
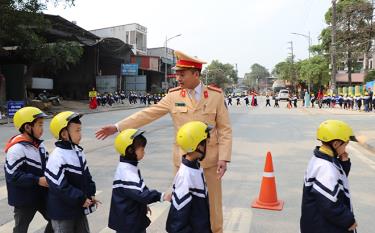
point(192, 101)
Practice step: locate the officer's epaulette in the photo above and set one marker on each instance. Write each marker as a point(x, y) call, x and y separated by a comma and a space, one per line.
point(174, 89)
point(214, 89)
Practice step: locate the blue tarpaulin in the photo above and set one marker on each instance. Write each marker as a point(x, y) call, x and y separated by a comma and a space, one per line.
point(370, 85)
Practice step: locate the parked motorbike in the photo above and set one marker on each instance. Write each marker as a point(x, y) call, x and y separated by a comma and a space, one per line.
point(55, 100)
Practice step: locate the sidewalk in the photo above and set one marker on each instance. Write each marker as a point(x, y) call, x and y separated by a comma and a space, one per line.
point(83, 107)
point(336, 111)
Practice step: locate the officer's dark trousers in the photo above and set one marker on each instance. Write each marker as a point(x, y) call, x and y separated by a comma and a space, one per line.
point(23, 217)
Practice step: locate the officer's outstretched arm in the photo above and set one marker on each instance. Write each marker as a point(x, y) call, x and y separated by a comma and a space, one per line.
point(147, 115)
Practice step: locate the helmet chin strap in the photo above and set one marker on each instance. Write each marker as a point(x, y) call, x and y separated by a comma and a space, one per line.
point(31, 135)
point(203, 153)
point(334, 150)
point(70, 138)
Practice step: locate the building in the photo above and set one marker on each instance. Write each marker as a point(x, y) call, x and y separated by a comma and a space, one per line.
point(342, 79)
point(133, 34)
point(99, 66)
point(168, 61)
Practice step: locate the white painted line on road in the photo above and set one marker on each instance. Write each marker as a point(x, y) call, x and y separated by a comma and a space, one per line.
point(157, 210)
point(106, 230)
point(239, 221)
point(36, 224)
point(3, 192)
point(362, 157)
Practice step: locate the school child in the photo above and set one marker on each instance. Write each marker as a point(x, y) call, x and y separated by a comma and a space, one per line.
point(295, 99)
point(130, 195)
point(326, 202)
point(313, 100)
point(346, 101)
point(268, 101)
point(25, 163)
point(366, 102)
point(238, 101)
point(189, 211)
point(276, 105)
point(71, 189)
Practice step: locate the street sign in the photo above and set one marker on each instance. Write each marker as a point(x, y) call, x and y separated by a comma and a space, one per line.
point(14, 106)
point(129, 69)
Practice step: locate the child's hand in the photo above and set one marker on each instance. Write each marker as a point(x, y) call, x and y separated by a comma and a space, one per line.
point(87, 203)
point(43, 182)
point(353, 227)
point(344, 156)
point(167, 197)
point(149, 210)
point(95, 201)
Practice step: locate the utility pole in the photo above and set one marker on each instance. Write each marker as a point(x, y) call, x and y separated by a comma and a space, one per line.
point(166, 59)
point(309, 84)
point(236, 74)
point(292, 60)
point(333, 49)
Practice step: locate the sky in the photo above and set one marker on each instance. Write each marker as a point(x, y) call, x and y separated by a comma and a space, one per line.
point(241, 32)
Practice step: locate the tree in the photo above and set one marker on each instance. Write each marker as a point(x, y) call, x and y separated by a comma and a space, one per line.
point(370, 76)
point(315, 70)
point(284, 70)
point(257, 72)
point(23, 26)
point(354, 31)
point(220, 74)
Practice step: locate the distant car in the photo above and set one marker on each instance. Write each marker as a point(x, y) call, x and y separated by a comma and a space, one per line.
point(283, 94)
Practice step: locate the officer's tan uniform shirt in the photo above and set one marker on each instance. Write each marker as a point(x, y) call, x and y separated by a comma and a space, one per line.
point(209, 108)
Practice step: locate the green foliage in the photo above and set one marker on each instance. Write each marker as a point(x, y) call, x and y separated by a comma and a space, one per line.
point(284, 70)
point(256, 72)
point(370, 76)
point(220, 74)
point(314, 70)
point(23, 26)
point(354, 30)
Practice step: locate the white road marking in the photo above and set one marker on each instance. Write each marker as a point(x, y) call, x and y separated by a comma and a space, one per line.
point(157, 210)
point(239, 221)
point(36, 224)
point(106, 230)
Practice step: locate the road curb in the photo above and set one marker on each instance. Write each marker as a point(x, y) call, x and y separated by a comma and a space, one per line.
point(112, 110)
point(85, 113)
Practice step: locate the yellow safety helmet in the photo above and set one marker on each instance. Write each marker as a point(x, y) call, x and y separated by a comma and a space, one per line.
point(27, 115)
point(60, 121)
point(191, 134)
point(330, 130)
point(125, 139)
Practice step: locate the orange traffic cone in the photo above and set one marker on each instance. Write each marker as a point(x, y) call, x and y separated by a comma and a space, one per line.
point(268, 196)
